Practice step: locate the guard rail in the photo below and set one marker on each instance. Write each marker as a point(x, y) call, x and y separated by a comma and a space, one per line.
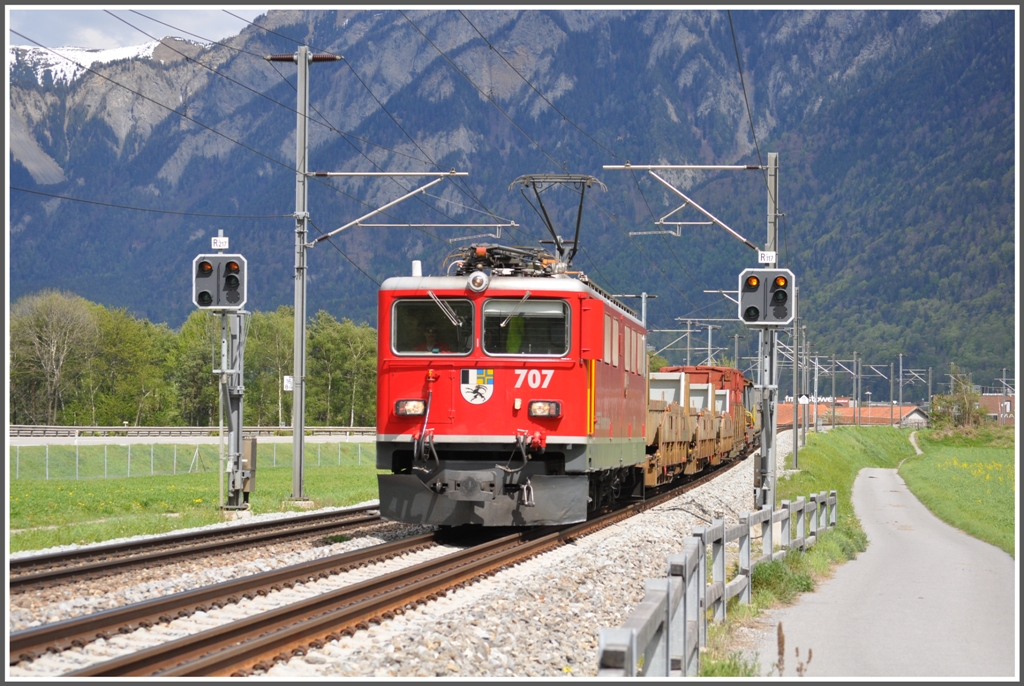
point(663, 636)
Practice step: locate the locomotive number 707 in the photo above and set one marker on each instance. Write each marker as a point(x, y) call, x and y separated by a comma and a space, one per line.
point(533, 377)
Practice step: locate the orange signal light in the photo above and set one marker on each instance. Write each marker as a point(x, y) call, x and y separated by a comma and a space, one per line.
point(753, 281)
point(781, 281)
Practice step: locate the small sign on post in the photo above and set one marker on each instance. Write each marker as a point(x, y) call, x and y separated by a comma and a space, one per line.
point(766, 257)
point(288, 385)
point(219, 242)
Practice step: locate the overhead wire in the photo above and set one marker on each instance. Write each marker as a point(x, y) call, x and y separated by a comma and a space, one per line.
point(149, 209)
point(606, 149)
point(540, 148)
point(468, 192)
point(325, 123)
point(465, 190)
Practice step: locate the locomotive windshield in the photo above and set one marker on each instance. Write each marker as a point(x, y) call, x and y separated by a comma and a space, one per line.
point(432, 327)
point(526, 327)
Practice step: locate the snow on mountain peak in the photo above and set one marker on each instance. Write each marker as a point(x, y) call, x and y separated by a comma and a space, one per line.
point(68, 63)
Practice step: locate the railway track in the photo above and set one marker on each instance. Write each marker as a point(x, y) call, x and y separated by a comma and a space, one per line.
point(42, 571)
point(256, 642)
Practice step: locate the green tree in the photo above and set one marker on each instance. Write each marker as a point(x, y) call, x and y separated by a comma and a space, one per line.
point(342, 371)
point(126, 380)
point(961, 407)
point(655, 362)
point(53, 335)
point(190, 365)
point(268, 359)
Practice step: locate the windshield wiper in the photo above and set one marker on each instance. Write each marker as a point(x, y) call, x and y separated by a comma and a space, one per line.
point(514, 310)
point(448, 311)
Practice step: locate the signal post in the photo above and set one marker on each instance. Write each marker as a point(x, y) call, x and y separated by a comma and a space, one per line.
point(766, 299)
point(219, 284)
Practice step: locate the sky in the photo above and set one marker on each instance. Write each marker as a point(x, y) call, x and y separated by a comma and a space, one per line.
point(54, 26)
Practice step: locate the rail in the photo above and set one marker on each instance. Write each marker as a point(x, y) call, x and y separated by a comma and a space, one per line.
point(664, 634)
point(35, 430)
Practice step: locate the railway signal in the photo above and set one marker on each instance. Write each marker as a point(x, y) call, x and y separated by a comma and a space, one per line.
point(766, 297)
point(219, 282)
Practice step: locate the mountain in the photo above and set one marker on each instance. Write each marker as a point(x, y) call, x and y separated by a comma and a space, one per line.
point(895, 132)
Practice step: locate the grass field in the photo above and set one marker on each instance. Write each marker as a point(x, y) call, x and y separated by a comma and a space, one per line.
point(63, 511)
point(969, 482)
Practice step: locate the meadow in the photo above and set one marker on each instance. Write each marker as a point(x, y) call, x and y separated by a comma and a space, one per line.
point(968, 480)
point(60, 511)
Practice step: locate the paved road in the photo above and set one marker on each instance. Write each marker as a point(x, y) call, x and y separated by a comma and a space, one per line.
point(924, 600)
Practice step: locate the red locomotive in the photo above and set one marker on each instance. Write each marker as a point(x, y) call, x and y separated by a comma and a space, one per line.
point(509, 393)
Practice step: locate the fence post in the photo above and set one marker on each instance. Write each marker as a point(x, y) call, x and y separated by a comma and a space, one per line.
point(359, 457)
point(151, 459)
point(702, 586)
point(275, 454)
point(174, 464)
point(745, 568)
point(47, 462)
point(317, 454)
point(768, 532)
point(787, 520)
point(104, 460)
point(17, 461)
point(823, 511)
point(718, 566)
point(800, 505)
point(76, 458)
point(129, 459)
point(339, 453)
point(685, 639)
point(833, 504)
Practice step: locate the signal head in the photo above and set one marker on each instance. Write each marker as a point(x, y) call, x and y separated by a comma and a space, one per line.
point(764, 297)
point(219, 282)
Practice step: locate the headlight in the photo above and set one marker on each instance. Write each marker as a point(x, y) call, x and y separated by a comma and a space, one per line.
point(545, 408)
point(410, 408)
point(478, 282)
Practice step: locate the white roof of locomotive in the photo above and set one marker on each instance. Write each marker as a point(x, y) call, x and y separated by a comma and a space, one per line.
point(497, 283)
point(558, 283)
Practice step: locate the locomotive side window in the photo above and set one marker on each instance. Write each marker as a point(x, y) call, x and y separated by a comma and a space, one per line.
point(425, 327)
point(615, 342)
point(607, 339)
point(526, 327)
point(627, 345)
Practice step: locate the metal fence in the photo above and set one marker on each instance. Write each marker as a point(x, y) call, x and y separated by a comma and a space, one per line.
point(113, 461)
point(663, 636)
point(130, 431)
